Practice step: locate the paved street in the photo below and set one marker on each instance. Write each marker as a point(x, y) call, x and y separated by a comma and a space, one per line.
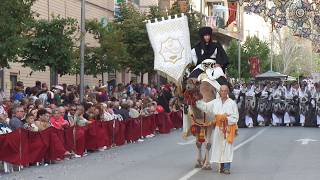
point(260, 153)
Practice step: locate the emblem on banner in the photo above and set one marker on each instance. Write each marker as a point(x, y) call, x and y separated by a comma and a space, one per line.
point(171, 50)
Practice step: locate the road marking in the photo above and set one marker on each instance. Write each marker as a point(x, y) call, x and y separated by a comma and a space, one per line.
point(195, 171)
point(306, 141)
point(188, 142)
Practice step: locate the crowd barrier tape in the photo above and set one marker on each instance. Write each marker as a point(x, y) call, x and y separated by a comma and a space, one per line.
point(23, 147)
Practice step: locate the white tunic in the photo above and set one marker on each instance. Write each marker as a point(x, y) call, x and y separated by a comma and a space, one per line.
point(222, 151)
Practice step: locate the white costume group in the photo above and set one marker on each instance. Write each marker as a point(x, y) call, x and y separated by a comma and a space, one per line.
point(277, 104)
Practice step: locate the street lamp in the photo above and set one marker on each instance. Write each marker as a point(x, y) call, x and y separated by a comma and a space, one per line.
point(82, 42)
point(240, 3)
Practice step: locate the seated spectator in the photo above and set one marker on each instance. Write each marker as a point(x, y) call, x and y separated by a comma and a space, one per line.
point(2, 108)
point(144, 109)
point(133, 113)
point(30, 125)
point(174, 104)
point(17, 116)
point(121, 110)
point(57, 120)
point(79, 119)
point(98, 112)
point(34, 93)
point(71, 113)
point(108, 114)
point(152, 108)
point(4, 127)
point(89, 113)
point(43, 119)
point(45, 95)
point(62, 111)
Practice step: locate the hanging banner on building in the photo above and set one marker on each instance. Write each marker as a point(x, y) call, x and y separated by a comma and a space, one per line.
point(232, 7)
point(254, 63)
point(170, 40)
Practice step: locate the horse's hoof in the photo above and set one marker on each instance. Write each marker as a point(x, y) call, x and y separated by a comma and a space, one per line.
point(198, 166)
point(207, 167)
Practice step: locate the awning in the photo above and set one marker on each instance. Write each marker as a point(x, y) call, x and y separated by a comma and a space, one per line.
point(225, 36)
point(271, 75)
point(290, 78)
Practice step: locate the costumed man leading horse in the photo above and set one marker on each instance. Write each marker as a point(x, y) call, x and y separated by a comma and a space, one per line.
point(202, 87)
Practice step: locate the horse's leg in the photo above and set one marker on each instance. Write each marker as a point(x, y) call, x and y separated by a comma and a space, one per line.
point(199, 159)
point(206, 163)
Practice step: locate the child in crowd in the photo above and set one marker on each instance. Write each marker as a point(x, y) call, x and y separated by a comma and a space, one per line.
point(30, 125)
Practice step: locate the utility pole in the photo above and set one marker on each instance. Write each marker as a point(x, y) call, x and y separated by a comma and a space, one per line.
point(271, 59)
point(201, 12)
point(239, 45)
point(82, 42)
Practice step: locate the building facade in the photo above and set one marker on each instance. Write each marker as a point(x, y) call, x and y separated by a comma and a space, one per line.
point(94, 9)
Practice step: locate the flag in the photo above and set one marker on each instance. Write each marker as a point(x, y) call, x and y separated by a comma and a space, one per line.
point(170, 40)
point(232, 12)
point(254, 66)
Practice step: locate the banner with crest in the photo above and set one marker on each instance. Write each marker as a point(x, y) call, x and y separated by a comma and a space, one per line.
point(170, 40)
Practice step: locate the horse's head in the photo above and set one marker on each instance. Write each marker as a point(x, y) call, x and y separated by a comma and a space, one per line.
point(192, 92)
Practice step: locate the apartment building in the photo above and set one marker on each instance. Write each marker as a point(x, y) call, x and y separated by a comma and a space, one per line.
point(95, 9)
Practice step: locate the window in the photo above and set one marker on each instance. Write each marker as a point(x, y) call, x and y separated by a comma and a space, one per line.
point(13, 82)
point(112, 75)
point(218, 11)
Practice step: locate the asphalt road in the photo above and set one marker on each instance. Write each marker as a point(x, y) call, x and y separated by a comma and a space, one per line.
point(270, 153)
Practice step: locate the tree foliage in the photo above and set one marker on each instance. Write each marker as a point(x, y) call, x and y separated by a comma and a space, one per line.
point(50, 44)
point(250, 48)
point(111, 51)
point(140, 54)
point(15, 16)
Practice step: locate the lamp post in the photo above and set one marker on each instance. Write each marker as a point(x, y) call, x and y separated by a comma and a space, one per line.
point(82, 42)
point(240, 2)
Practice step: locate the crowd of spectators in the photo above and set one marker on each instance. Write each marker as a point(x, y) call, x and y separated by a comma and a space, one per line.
point(38, 108)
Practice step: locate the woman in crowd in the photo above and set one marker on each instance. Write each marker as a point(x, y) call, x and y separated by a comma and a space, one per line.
point(43, 119)
point(57, 120)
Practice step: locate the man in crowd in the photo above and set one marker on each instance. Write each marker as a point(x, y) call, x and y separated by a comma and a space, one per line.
point(16, 121)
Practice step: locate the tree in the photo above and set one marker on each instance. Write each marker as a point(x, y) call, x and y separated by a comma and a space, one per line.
point(15, 16)
point(250, 48)
point(110, 53)
point(232, 52)
point(316, 59)
point(253, 46)
point(140, 55)
point(50, 44)
point(294, 56)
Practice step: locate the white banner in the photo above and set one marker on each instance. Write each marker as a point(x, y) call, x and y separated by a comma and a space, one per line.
point(170, 40)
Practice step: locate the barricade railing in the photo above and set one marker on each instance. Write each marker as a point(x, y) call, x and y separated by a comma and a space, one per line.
point(22, 147)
